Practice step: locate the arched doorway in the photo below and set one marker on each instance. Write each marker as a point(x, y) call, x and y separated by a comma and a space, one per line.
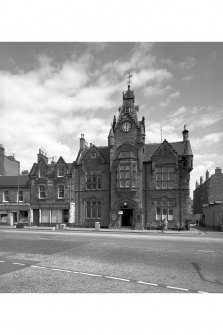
point(127, 216)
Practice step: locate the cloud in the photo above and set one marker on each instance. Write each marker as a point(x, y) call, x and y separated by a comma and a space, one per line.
point(188, 78)
point(187, 64)
point(156, 90)
point(169, 98)
point(196, 117)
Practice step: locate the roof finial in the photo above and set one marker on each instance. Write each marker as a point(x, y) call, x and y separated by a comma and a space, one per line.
point(129, 78)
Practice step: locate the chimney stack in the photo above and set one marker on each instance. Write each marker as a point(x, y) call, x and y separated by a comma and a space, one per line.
point(201, 180)
point(185, 134)
point(218, 170)
point(82, 142)
point(207, 175)
point(196, 185)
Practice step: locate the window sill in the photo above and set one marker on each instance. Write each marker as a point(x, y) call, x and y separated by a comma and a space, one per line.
point(124, 189)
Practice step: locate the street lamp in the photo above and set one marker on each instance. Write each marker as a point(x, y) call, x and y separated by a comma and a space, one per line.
point(18, 195)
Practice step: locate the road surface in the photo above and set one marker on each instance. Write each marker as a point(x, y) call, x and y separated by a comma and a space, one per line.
point(105, 262)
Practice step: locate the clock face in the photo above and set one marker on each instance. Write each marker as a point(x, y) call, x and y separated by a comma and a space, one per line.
point(126, 126)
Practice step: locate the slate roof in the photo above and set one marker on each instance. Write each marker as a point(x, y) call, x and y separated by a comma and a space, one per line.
point(178, 147)
point(12, 181)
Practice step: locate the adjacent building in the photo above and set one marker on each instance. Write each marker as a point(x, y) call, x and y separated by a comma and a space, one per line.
point(14, 199)
point(9, 166)
point(207, 192)
point(213, 215)
point(51, 192)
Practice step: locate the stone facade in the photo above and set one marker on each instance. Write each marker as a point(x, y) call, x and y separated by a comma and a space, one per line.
point(136, 185)
point(10, 205)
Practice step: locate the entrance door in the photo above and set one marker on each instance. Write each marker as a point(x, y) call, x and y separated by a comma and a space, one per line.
point(127, 217)
point(36, 217)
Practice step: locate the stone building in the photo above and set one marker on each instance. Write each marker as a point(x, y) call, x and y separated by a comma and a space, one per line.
point(9, 166)
point(213, 215)
point(51, 192)
point(14, 199)
point(129, 183)
point(208, 191)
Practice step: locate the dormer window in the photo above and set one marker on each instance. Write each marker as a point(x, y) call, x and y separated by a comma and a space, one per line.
point(60, 171)
point(42, 172)
point(93, 154)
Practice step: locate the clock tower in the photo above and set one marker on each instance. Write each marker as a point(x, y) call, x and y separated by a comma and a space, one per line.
point(126, 145)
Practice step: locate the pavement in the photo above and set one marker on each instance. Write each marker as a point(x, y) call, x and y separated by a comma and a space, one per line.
point(194, 230)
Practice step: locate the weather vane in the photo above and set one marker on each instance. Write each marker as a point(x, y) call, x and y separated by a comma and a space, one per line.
point(129, 78)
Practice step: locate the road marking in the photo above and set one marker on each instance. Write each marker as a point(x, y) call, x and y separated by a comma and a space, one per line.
point(146, 283)
point(18, 263)
point(89, 274)
point(2, 261)
point(110, 277)
point(177, 288)
point(61, 270)
point(40, 267)
point(206, 251)
point(115, 278)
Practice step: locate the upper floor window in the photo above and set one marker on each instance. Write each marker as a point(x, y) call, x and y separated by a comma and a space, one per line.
point(164, 177)
point(20, 196)
point(60, 171)
point(6, 196)
point(60, 191)
point(42, 191)
point(126, 174)
point(42, 172)
point(93, 180)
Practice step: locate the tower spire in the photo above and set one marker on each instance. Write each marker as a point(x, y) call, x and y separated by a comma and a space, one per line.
point(129, 76)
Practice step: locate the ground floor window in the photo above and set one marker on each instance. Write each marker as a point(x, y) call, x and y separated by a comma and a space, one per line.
point(3, 218)
point(164, 209)
point(93, 210)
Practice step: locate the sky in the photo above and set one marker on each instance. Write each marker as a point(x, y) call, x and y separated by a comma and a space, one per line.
point(51, 93)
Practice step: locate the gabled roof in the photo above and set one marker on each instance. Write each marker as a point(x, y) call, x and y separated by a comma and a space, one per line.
point(103, 151)
point(150, 149)
point(12, 181)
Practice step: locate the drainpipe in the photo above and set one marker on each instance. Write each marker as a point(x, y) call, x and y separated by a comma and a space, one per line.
point(180, 212)
point(145, 196)
point(18, 196)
